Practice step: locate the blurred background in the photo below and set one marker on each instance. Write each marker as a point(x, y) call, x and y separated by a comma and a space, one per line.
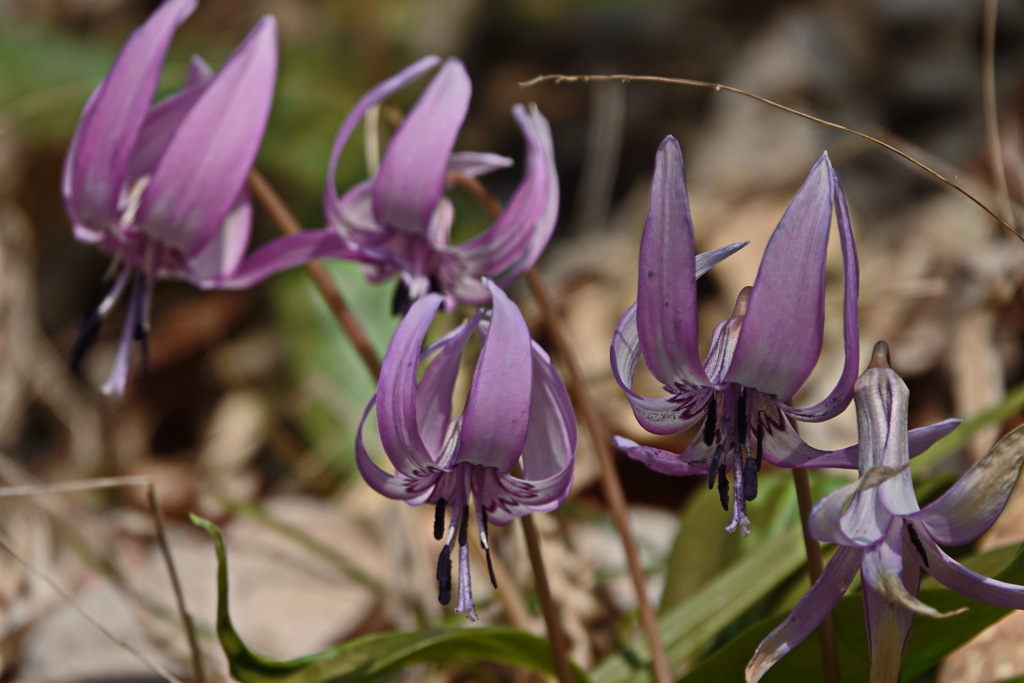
point(248, 412)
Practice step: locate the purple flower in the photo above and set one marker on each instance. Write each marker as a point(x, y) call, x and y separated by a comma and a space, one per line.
point(759, 357)
point(162, 187)
point(881, 530)
point(517, 409)
point(400, 219)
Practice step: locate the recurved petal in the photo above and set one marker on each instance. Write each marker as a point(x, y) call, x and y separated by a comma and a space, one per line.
point(352, 216)
point(666, 415)
point(783, 446)
point(507, 498)
point(667, 282)
point(882, 569)
point(94, 169)
point(515, 240)
point(413, 488)
point(434, 393)
point(972, 504)
point(862, 525)
point(551, 438)
point(919, 440)
point(205, 165)
point(280, 254)
point(709, 259)
point(694, 460)
point(396, 389)
point(959, 578)
point(412, 173)
point(782, 331)
point(497, 413)
point(816, 604)
point(841, 394)
point(375, 95)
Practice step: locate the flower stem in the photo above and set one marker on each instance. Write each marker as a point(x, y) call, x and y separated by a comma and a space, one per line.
point(552, 619)
point(559, 646)
point(610, 483)
point(826, 634)
point(286, 222)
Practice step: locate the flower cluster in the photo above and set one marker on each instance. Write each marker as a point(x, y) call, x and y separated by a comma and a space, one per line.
point(161, 187)
point(759, 357)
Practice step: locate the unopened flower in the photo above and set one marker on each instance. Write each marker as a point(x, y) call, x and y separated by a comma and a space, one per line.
point(401, 221)
point(162, 187)
point(881, 530)
point(517, 411)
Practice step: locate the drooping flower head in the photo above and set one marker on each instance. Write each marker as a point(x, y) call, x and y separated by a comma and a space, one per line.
point(400, 219)
point(161, 187)
point(881, 530)
point(517, 411)
point(759, 357)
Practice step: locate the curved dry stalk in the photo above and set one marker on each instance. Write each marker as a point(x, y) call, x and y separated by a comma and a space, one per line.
point(165, 552)
point(552, 618)
point(718, 87)
point(610, 483)
point(150, 663)
point(988, 81)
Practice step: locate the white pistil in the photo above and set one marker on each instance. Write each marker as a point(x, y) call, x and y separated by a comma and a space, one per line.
point(132, 200)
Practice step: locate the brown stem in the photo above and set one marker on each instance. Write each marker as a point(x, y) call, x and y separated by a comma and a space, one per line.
point(559, 645)
point(610, 483)
point(286, 222)
point(474, 187)
point(826, 634)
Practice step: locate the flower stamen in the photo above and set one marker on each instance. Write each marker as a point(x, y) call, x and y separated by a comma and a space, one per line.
point(439, 510)
point(482, 524)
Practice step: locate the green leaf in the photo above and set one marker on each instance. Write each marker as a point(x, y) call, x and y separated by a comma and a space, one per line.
point(336, 384)
point(702, 549)
point(691, 624)
point(930, 641)
point(374, 657)
point(1011, 405)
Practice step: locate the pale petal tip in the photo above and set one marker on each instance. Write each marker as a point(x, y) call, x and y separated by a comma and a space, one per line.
point(266, 29)
point(880, 356)
point(669, 141)
point(758, 666)
point(624, 444)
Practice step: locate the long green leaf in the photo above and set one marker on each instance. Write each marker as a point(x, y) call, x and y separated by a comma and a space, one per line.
point(373, 657)
point(690, 625)
point(1011, 405)
point(931, 639)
